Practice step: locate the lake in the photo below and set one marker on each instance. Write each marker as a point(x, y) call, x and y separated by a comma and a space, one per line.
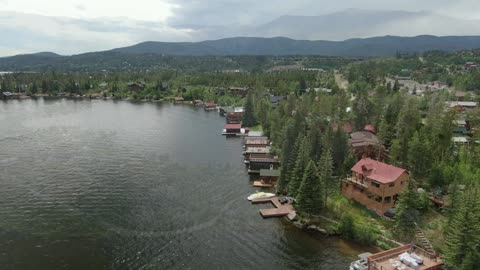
point(121, 185)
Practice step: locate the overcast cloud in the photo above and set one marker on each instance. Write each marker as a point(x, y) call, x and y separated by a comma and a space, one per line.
point(76, 26)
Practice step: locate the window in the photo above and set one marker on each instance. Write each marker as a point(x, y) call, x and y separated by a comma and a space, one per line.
point(391, 184)
point(388, 199)
point(375, 184)
point(401, 182)
point(378, 199)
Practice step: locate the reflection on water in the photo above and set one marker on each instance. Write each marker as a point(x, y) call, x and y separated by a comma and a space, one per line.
point(118, 185)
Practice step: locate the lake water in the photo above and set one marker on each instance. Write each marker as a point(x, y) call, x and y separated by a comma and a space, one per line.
point(120, 185)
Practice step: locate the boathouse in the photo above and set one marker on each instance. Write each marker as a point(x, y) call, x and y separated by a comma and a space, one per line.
point(256, 142)
point(375, 185)
point(210, 106)
point(268, 178)
point(257, 164)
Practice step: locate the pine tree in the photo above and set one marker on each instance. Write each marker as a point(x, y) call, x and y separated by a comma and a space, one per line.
point(302, 158)
point(407, 209)
point(249, 119)
point(288, 158)
point(309, 198)
point(419, 160)
point(325, 172)
point(362, 109)
point(463, 236)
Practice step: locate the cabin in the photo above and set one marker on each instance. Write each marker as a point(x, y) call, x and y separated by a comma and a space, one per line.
point(394, 259)
point(461, 106)
point(136, 86)
point(178, 100)
point(375, 184)
point(268, 178)
point(267, 163)
point(238, 91)
point(275, 100)
point(234, 117)
point(210, 106)
point(366, 144)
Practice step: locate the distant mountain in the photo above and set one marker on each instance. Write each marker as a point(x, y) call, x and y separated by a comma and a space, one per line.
point(47, 54)
point(165, 54)
point(368, 47)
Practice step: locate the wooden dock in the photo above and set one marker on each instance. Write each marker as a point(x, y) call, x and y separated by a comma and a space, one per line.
point(280, 209)
point(262, 184)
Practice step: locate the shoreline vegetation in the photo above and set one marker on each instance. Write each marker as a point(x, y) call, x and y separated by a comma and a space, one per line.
point(424, 112)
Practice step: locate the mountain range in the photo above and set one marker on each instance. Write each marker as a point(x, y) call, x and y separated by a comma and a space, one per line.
point(164, 54)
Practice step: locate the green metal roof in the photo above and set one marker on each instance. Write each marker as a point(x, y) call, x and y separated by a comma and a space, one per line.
point(273, 173)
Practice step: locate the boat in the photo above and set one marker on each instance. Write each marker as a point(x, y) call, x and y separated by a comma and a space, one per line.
point(260, 195)
point(362, 263)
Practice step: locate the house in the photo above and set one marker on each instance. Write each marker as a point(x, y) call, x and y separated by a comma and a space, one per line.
point(375, 184)
point(239, 91)
point(461, 106)
point(198, 103)
point(275, 100)
point(255, 134)
point(103, 86)
point(210, 106)
point(268, 178)
point(234, 117)
point(136, 86)
point(178, 100)
point(366, 144)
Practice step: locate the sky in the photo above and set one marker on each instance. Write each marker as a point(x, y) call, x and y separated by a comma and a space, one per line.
point(76, 26)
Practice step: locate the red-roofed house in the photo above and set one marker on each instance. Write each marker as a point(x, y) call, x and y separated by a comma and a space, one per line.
point(375, 185)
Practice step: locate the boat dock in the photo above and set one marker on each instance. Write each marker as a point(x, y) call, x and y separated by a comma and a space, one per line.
point(280, 209)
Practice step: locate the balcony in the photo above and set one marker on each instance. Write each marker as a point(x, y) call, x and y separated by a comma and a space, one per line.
point(355, 180)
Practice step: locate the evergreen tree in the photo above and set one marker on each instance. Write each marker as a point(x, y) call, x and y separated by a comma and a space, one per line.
point(408, 123)
point(463, 237)
point(249, 119)
point(419, 151)
point(407, 208)
point(302, 158)
point(325, 172)
point(362, 109)
point(396, 86)
point(309, 198)
point(288, 157)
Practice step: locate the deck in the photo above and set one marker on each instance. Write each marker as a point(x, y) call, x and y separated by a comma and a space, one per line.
point(262, 184)
point(280, 209)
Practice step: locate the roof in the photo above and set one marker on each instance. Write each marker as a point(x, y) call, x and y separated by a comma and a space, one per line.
point(459, 122)
point(459, 139)
point(378, 171)
point(462, 103)
point(233, 126)
point(255, 134)
point(363, 138)
point(272, 173)
point(370, 128)
point(263, 160)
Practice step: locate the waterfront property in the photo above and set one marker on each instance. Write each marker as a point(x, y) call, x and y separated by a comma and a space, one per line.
point(210, 106)
point(235, 129)
point(366, 144)
point(394, 259)
point(256, 142)
point(375, 185)
point(234, 117)
point(268, 178)
point(257, 164)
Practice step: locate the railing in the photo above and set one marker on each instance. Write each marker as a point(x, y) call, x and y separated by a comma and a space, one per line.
point(356, 181)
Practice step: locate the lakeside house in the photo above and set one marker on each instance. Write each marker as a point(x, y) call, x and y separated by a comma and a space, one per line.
point(178, 100)
point(375, 184)
point(365, 143)
point(275, 100)
point(239, 91)
point(136, 86)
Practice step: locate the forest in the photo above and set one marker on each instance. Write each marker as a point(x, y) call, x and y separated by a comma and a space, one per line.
point(305, 129)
